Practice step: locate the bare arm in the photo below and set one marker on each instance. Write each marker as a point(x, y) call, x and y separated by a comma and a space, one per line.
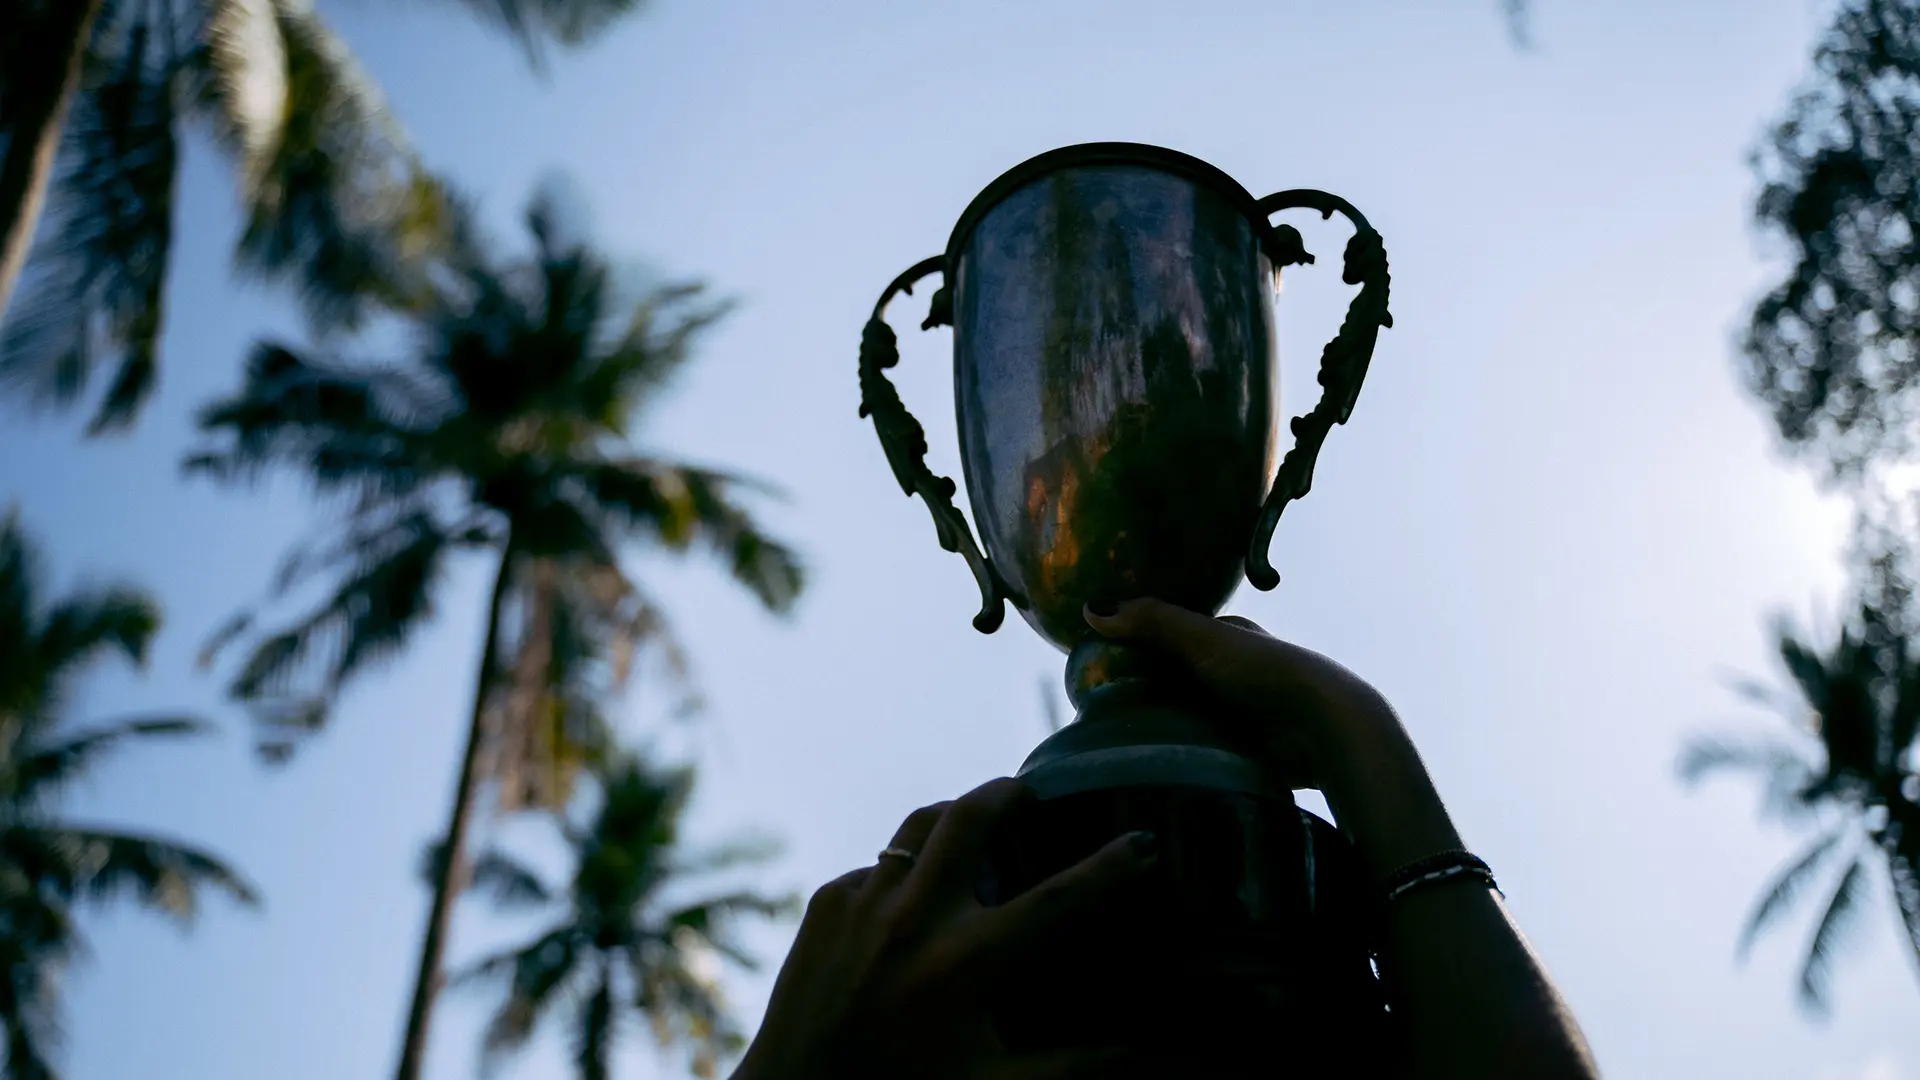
point(1475, 1000)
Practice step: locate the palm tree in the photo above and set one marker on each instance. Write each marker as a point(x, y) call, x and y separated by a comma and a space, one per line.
point(95, 98)
point(505, 434)
point(1848, 766)
point(49, 864)
point(620, 937)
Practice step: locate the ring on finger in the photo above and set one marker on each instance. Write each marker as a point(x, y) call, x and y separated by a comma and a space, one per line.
point(895, 852)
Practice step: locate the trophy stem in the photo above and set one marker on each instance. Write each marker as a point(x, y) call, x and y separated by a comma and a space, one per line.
point(1253, 933)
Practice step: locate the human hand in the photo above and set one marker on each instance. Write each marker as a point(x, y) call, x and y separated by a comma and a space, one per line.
point(1318, 724)
point(887, 975)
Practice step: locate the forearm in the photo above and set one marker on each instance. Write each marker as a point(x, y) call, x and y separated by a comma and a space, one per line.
point(1473, 999)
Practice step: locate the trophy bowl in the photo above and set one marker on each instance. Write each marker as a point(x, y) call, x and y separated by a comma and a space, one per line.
point(1113, 372)
point(1114, 380)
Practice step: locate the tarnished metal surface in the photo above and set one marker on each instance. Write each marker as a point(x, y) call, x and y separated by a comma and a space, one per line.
point(1113, 374)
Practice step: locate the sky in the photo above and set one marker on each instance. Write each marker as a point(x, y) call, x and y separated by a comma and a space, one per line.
point(1553, 531)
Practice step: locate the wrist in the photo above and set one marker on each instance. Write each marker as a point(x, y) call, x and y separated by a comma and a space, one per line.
point(1381, 794)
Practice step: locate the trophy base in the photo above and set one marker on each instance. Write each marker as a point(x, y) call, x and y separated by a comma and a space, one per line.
point(1245, 948)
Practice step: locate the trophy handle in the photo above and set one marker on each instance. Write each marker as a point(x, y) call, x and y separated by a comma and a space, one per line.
point(905, 441)
point(1343, 364)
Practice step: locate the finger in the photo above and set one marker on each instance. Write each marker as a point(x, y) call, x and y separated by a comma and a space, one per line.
point(953, 852)
point(912, 835)
point(1188, 635)
point(1040, 909)
point(1235, 659)
point(838, 895)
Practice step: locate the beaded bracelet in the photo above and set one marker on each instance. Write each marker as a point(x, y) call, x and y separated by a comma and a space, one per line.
point(1435, 869)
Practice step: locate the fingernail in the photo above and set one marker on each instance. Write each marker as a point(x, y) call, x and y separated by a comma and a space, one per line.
point(1103, 609)
point(1143, 845)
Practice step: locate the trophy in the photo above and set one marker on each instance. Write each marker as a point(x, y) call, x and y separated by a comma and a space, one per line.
point(1114, 376)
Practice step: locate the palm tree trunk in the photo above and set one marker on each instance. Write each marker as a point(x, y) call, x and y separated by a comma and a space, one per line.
point(45, 76)
point(450, 877)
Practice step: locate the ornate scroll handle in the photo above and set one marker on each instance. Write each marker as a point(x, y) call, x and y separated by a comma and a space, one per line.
point(905, 441)
point(1343, 364)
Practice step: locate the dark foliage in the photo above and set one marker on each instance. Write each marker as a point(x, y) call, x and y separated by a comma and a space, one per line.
point(625, 936)
point(1832, 348)
point(1848, 767)
point(49, 865)
point(508, 430)
point(333, 201)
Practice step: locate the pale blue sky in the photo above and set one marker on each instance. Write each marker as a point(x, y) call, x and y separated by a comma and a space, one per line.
point(1552, 529)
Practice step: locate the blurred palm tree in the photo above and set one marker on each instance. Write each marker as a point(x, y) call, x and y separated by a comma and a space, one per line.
point(506, 433)
point(95, 98)
point(1848, 766)
point(625, 935)
point(49, 864)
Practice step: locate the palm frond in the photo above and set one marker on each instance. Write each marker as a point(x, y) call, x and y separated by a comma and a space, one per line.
point(39, 945)
point(644, 625)
point(336, 203)
point(595, 1032)
point(43, 651)
point(1804, 664)
point(1519, 23)
point(118, 618)
point(30, 1020)
point(1786, 887)
point(361, 429)
point(99, 270)
point(540, 972)
point(683, 1002)
point(379, 603)
point(1903, 721)
point(682, 505)
point(626, 858)
point(21, 581)
point(1705, 755)
point(44, 770)
point(1904, 870)
point(768, 568)
point(1766, 696)
point(158, 874)
point(487, 968)
point(239, 74)
point(1842, 912)
point(76, 632)
point(566, 22)
point(507, 882)
point(1787, 771)
point(656, 342)
point(711, 917)
point(731, 855)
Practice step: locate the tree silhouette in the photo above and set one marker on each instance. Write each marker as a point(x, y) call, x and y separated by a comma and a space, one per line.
point(1848, 766)
point(622, 939)
point(1832, 349)
point(506, 433)
point(49, 864)
point(95, 100)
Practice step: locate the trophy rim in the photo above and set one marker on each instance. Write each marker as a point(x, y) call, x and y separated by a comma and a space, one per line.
point(1080, 155)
